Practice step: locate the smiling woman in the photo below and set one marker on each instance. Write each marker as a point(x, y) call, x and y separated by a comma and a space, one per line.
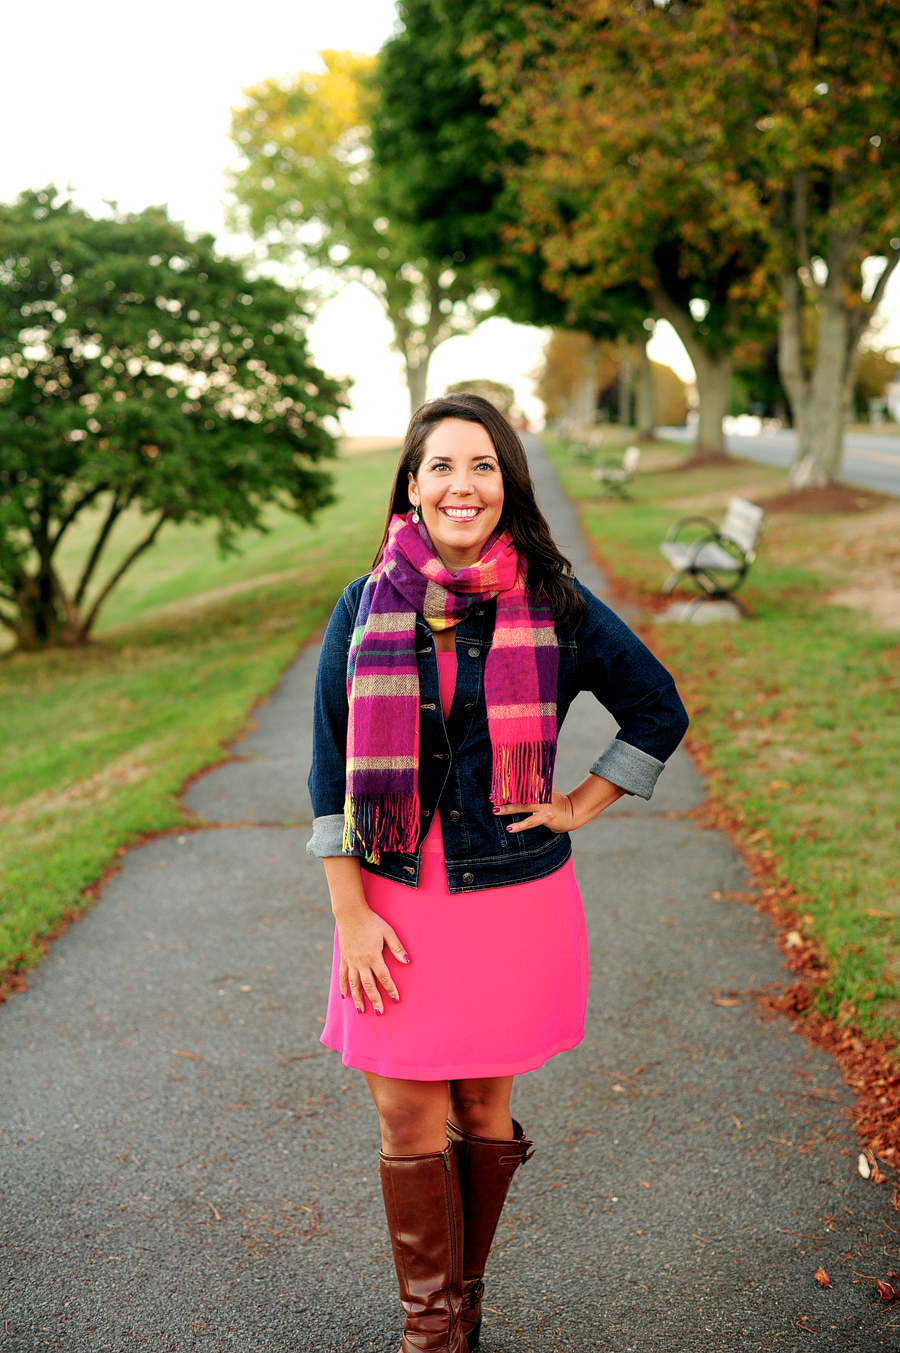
point(459, 491)
point(443, 680)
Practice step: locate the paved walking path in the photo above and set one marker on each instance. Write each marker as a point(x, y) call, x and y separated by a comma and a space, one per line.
point(184, 1167)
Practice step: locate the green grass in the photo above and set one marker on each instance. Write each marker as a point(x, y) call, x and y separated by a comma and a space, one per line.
point(796, 712)
point(95, 744)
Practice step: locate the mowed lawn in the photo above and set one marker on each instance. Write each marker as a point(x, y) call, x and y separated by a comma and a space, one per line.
point(797, 711)
point(95, 744)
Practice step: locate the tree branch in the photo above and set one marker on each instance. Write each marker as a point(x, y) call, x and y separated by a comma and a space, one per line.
point(115, 511)
point(801, 226)
point(74, 511)
point(123, 568)
point(875, 298)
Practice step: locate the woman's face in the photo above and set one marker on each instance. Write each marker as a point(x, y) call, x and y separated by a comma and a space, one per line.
point(459, 491)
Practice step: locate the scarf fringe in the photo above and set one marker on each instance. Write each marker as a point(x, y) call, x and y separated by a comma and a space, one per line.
point(380, 822)
point(523, 773)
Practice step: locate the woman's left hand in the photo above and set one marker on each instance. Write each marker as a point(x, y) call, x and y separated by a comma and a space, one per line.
point(565, 812)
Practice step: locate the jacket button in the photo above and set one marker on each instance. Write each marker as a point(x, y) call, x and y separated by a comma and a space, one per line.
point(428, 706)
point(425, 812)
point(474, 653)
point(408, 869)
point(468, 878)
point(455, 816)
point(424, 650)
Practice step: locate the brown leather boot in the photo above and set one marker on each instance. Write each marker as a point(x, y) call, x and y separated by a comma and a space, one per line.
point(486, 1167)
point(425, 1219)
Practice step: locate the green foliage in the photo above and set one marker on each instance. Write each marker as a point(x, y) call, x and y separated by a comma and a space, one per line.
point(95, 744)
point(307, 187)
point(796, 712)
point(140, 370)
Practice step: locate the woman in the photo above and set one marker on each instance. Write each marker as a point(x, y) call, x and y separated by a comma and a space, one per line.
point(460, 953)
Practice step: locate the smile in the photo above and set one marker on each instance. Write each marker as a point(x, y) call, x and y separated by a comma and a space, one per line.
point(461, 513)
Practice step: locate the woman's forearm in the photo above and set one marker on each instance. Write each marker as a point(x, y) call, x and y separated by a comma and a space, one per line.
point(591, 797)
point(345, 885)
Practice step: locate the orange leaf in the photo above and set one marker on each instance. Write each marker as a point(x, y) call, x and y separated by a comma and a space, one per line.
point(822, 1277)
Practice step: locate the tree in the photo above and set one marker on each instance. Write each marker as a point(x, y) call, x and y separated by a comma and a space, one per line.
point(305, 185)
point(616, 189)
point(138, 369)
point(813, 122)
point(768, 136)
point(502, 396)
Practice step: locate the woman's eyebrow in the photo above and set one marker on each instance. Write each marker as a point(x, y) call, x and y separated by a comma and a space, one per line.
point(474, 459)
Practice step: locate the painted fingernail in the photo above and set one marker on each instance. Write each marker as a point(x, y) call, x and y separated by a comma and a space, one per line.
point(406, 958)
point(375, 1008)
point(509, 829)
point(360, 1010)
point(396, 1000)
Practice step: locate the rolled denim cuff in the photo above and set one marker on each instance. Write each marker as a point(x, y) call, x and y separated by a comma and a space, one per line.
point(628, 767)
point(328, 836)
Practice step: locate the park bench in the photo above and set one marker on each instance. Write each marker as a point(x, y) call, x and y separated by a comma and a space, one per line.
point(616, 476)
point(718, 560)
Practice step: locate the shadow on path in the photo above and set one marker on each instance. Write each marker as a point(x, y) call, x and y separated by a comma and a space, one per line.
point(185, 1167)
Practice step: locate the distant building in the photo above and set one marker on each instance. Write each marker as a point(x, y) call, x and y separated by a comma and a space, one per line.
point(892, 396)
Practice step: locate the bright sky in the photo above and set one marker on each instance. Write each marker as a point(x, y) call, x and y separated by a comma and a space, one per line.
point(131, 103)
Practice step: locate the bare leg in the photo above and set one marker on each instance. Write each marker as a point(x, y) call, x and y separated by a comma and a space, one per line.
point(413, 1114)
point(481, 1107)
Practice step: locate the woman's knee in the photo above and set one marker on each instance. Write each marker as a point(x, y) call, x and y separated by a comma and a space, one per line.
point(478, 1106)
point(412, 1115)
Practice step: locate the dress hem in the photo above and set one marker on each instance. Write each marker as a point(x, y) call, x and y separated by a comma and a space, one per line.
point(469, 1071)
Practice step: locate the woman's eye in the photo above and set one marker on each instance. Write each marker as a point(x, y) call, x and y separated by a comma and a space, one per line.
point(487, 465)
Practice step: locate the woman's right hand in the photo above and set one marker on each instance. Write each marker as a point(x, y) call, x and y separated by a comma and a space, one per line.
point(363, 936)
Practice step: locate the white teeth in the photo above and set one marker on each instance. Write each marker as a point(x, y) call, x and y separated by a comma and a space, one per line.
point(461, 513)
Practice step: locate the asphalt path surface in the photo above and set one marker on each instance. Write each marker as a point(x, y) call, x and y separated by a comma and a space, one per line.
point(185, 1167)
point(870, 460)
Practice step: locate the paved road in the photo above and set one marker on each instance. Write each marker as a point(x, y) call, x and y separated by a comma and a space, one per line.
point(184, 1167)
point(870, 461)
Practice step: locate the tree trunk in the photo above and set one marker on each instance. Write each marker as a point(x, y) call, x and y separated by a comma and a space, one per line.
point(417, 380)
point(626, 374)
point(713, 371)
point(821, 406)
point(584, 388)
point(646, 401)
point(714, 390)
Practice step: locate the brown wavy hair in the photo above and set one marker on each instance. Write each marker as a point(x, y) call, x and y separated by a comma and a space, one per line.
point(549, 571)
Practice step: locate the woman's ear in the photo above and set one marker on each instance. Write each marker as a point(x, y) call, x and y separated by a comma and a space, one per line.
point(412, 488)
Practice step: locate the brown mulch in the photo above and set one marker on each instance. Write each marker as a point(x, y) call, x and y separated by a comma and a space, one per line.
point(832, 498)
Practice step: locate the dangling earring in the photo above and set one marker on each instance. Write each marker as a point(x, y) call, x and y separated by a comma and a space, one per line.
point(415, 514)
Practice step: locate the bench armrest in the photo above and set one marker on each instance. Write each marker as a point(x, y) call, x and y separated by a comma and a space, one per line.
point(672, 533)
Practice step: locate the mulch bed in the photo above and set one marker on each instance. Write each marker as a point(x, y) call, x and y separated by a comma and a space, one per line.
point(832, 498)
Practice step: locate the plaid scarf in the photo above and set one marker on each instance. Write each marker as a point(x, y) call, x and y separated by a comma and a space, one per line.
point(381, 810)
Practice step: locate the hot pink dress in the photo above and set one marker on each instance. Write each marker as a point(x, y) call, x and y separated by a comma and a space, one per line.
point(498, 979)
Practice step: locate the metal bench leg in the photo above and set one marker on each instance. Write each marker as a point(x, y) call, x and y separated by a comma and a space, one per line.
point(672, 582)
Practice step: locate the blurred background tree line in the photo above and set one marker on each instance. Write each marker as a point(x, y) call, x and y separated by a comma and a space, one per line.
point(598, 167)
point(584, 165)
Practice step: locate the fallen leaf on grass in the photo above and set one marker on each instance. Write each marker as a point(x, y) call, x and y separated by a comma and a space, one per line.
point(644, 1184)
point(720, 1000)
point(863, 1166)
point(886, 1291)
point(822, 1277)
point(793, 939)
point(194, 1056)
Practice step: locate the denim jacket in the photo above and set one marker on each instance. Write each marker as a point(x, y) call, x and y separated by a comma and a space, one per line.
point(603, 656)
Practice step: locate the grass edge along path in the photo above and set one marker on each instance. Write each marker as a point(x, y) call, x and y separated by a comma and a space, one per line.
point(844, 999)
point(97, 744)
